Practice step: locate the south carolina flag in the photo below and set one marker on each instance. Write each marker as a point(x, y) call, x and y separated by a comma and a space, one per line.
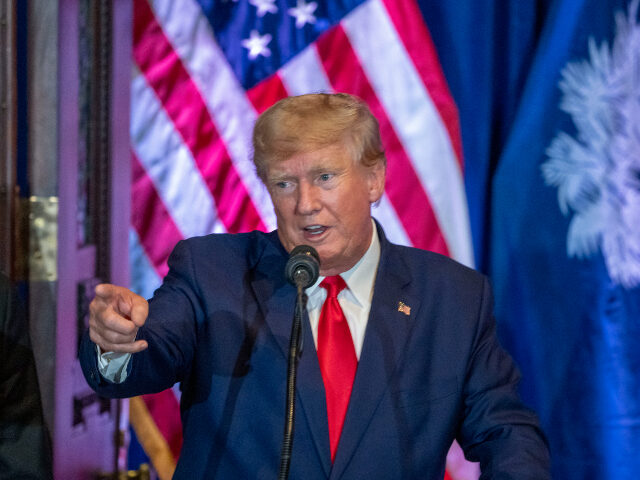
point(565, 236)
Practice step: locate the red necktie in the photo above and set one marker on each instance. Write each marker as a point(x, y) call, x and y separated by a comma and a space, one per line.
point(337, 358)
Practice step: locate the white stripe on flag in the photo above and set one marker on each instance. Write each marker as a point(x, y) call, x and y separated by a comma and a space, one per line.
point(169, 164)
point(304, 74)
point(415, 119)
point(144, 279)
point(190, 33)
point(393, 228)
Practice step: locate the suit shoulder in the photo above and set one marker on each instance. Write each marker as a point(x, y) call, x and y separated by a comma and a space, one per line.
point(230, 245)
point(433, 259)
point(231, 239)
point(438, 267)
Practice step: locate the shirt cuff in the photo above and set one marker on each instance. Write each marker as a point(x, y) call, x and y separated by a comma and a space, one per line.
point(113, 365)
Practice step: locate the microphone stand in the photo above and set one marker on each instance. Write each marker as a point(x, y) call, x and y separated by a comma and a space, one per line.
point(295, 350)
point(301, 270)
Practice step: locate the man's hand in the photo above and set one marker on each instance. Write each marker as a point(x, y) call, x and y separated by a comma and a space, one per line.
point(116, 315)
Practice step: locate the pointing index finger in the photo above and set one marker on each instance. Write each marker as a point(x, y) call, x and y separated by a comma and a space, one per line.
point(105, 291)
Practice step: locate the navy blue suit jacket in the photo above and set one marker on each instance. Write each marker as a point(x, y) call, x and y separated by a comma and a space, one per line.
point(220, 325)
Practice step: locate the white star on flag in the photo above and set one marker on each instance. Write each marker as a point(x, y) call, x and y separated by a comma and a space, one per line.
point(257, 44)
point(264, 6)
point(303, 13)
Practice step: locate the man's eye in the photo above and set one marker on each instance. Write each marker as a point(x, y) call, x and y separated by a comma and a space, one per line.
point(282, 184)
point(325, 177)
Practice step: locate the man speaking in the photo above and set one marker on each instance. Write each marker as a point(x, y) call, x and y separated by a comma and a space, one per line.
point(399, 357)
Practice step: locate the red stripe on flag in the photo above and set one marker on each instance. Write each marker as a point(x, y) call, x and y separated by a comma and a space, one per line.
point(183, 103)
point(407, 18)
point(267, 92)
point(403, 185)
point(165, 411)
point(157, 232)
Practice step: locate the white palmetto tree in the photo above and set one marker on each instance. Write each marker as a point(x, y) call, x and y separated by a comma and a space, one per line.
point(597, 173)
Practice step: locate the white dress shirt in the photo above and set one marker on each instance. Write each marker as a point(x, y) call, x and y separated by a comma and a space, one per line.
point(354, 300)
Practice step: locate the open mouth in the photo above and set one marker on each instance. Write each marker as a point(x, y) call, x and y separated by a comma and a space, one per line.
point(312, 231)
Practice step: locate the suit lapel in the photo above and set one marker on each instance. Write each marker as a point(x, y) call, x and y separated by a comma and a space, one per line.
point(310, 388)
point(276, 298)
point(388, 329)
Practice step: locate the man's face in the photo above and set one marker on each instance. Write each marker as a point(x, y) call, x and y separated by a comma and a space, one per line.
point(323, 199)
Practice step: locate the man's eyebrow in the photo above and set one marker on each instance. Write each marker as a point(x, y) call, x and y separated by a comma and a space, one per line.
point(278, 177)
point(324, 168)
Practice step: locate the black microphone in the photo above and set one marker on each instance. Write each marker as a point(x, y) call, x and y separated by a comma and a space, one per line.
point(303, 266)
point(302, 270)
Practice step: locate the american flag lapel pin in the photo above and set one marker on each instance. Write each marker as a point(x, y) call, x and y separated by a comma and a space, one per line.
point(402, 307)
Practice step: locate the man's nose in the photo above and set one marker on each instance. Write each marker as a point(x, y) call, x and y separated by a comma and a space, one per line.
point(308, 199)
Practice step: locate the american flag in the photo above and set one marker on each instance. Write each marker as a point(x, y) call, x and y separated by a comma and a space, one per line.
point(204, 70)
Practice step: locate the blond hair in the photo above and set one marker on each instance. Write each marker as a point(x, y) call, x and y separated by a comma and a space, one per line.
point(310, 122)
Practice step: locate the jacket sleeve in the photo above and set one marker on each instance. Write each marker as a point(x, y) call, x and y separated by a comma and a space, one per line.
point(498, 430)
point(170, 331)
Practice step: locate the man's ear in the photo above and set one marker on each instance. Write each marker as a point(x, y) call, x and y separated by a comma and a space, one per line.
point(377, 175)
